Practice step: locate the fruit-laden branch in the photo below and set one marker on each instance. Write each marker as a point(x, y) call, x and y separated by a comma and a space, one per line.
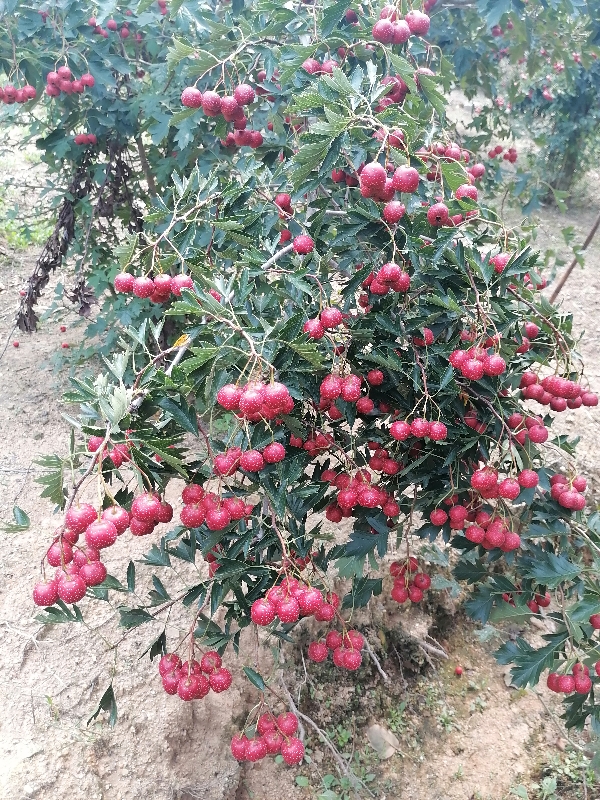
point(54, 250)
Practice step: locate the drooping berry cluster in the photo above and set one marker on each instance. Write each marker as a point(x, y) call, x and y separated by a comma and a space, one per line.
point(525, 428)
point(273, 735)
point(577, 681)
point(206, 507)
point(61, 81)
point(256, 400)
point(409, 583)
point(158, 290)
point(234, 458)
point(569, 493)
point(85, 138)
point(556, 392)
point(358, 491)
point(348, 389)
point(476, 362)
point(484, 528)
point(189, 680)
point(231, 107)
point(346, 648)
point(389, 278)
point(419, 428)
point(291, 599)
point(392, 30)
point(328, 319)
point(9, 94)
point(80, 567)
point(118, 453)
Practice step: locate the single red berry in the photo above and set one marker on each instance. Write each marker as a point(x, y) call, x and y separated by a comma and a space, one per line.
point(220, 680)
point(262, 612)
point(437, 431)
point(287, 723)
point(79, 517)
point(458, 671)
point(101, 533)
point(303, 245)
point(45, 593)
point(71, 589)
point(393, 212)
point(509, 488)
point(146, 507)
point(438, 215)
point(406, 179)
point(239, 744)
point(93, 573)
point(292, 751)
point(438, 516)
point(317, 651)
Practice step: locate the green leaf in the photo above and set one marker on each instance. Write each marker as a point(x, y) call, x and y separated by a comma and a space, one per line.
point(308, 352)
point(255, 678)
point(107, 703)
point(179, 116)
point(548, 569)
point(529, 661)
point(332, 16)
point(184, 415)
point(454, 175)
point(132, 617)
point(131, 576)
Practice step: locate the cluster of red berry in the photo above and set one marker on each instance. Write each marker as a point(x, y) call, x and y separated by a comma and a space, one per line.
point(348, 389)
point(314, 67)
point(9, 94)
point(510, 155)
point(534, 605)
point(256, 400)
point(485, 529)
point(532, 428)
point(158, 290)
point(409, 583)
point(328, 319)
point(578, 681)
point(487, 482)
point(346, 648)
point(569, 494)
point(234, 458)
point(380, 461)
point(206, 507)
point(556, 392)
point(113, 26)
point(389, 278)
point(118, 453)
point(476, 362)
point(60, 81)
point(85, 138)
point(291, 599)
point(275, 735)
point(358, 491)
point(189, 681)
point(391, 30)
point(232, 109)
point(78, 567)
point(419, 428)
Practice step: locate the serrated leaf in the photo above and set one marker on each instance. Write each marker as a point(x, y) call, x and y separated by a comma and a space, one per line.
point(132, 617)
point(255, 678)
point(107, 703)
point(184, 415)
point(308, 352)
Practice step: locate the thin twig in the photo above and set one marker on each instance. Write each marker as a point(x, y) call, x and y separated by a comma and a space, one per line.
point(437, 651)
point(98, 454)
point(376, 661)
point(574, 263)
point(279, 254)
point(325, 739)
point(554, 719)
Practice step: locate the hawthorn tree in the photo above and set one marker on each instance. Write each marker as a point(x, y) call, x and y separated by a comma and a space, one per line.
point(358, 342)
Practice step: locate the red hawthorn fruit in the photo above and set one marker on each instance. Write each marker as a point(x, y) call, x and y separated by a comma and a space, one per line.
point(45, 593)
point(303, 245)
point(393, 212)
point(262, 612)
point(318, 652)
point(438, 215)
point(292, 751)
point(71, 589)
